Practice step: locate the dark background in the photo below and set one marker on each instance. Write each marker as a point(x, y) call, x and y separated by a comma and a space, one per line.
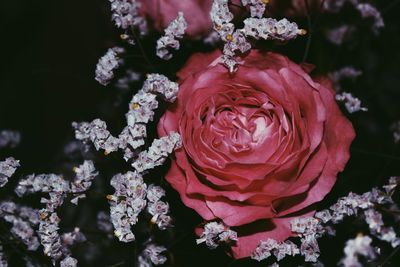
point(49, 50)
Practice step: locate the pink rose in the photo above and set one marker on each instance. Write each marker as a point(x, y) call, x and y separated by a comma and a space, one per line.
point(259, 146)
point(196, 13)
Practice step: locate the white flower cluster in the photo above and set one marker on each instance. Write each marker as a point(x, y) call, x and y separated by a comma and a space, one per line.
point(23, 219)
point(158, 152)
point(174, 32)
point(69, 262)
point(347, 72)
point(157, 208)
point(359, 246)
point(126, 203)
point(46, 183)
point(128, 200)
point(221, 18)
point(215, 234)
point(368, 11)
point(310, 228)
point(125, 14)
point(84, 175)
point(157, 83)
point(258, 28)
point(96, 131)
point(152, 254)
point(9, 138)
point(140, 112)
point(352, 104)
point(107, 64)
point(395, 127)
point(58, 188)
point(7, 169)
point(54, 245)
point(234, 42)
point(49, 236)
point(279, 249)
point(271, 29)
point(257, 7)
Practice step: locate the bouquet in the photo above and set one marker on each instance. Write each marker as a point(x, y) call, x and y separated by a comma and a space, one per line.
point(214, 132)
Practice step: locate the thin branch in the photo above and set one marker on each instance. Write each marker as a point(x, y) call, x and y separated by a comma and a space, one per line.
point(389, 257)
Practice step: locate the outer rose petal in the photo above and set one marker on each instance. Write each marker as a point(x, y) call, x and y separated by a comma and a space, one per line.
point(176, 178)
point(250, 236)
point(197, 62)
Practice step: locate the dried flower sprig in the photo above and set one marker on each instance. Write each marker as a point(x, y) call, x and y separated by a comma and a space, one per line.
point(309, 229)
point(84, 175)
point(58, 188)
point(107, 64)
point(7, 169)
point(352, 104)
point(69, 262)
point(257, 7)
point(125, 14)
point(359, 246)
point(128, 200)
point(257, 28)
point(152, 255)
point(272, 247)
point(158, 152)
point(141, 111)
point(216, 233)
point(157, 208)
point(23, 220)
point(170, 40)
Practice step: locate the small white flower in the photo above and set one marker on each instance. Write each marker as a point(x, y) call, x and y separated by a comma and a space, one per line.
point(352, 103)
point(107, 64)
point(7, 169)
point(173, 32)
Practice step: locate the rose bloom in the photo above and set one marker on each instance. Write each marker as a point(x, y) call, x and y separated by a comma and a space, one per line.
point(196, 14)
point(259, 145)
